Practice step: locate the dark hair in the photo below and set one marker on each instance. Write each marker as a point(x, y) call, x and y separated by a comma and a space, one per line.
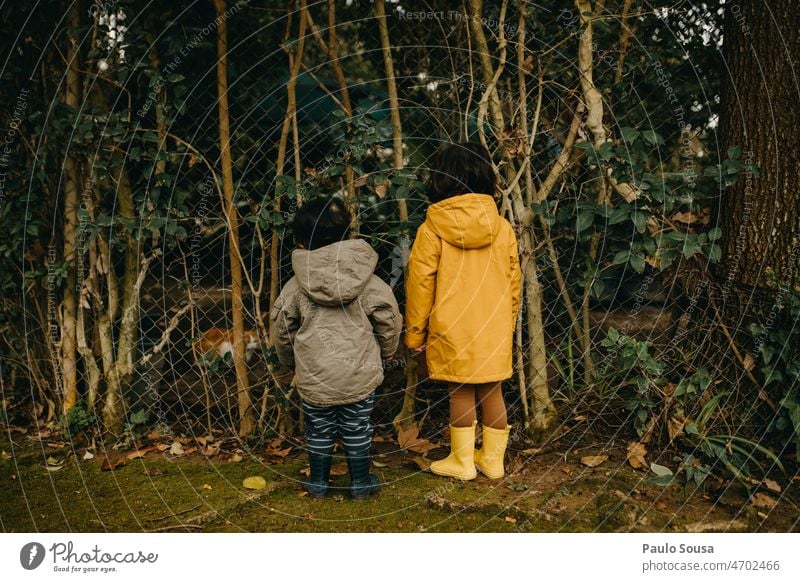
point(460, 168)
point(320, 222)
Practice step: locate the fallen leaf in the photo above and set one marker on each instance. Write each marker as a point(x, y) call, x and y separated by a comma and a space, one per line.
point(675, 426)
point(154, 472)
point(5, 456)
point(236, 458)
point(409, 439)
point(52, 468)
point(277, 452)
point(207, 486)
point(378, 439)
point(593, 460)
point(749, 363)
point(772, 485)
point(566, 470)
point(661, 506)
point(201, 440)
point(303, 494)
point(210, 451)
point(109, 465)
point(139, 453)
point(176, 449)
point(422, 463)
point(762, 515)
point(660, 470)
point(636, 455)
point(53, 462)
point(190, 450)
point(763, 500)
point(254, 483)
point(162, 447)
point(306, 471)
point(510, 519)
point(339, 470)
point(580, 418)
point(88, 456)
point(531, 452)
point(378, 464)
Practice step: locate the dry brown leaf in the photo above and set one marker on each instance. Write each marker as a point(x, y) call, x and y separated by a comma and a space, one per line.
point(772, 485)
point(636, 455)
point(409, 440)
point(510, 519)
point(140, 453)
point(531, 452)
point(5, 456)
point(378, 464)
point(176, 449)
point(763, 500)
point(236, 458)
point(207, 486)
point(162, 447)
point(378, 439)
point(593, 460)
point(110, 465)
point(278, 452)
point(339, 470)
point(749, 363)
point(306, 471)
point(567, 470)
point(201, 440)
point(675, 426)
point(422, 463)
point(210, 451)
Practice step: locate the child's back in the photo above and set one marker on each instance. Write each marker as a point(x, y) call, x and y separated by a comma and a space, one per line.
point(333, 324)
point(336, 321)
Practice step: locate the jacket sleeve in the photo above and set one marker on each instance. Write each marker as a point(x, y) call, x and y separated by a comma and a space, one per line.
point(516, 278)
point(284, 322)
point(384, 315)
point(423, 265)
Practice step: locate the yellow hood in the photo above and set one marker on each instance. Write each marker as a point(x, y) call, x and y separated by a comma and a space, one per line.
point(468, 221)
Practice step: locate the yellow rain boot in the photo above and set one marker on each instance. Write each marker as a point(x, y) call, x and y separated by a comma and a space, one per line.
point(459, 463)
point(489, 458)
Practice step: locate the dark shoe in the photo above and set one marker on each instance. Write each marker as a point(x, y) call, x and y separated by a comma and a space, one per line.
point(362, 484)
point(319, 476)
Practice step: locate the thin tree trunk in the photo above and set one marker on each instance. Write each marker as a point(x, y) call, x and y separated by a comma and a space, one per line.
point(295, 63)
point(69, 376)
point(543, 412)
point(405, 418)
point(246, 421)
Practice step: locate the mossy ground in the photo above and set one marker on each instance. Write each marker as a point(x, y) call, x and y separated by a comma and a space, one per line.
point(550, 492)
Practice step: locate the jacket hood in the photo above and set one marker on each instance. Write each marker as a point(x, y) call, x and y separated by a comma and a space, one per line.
point(336, 273)
point(469, 221)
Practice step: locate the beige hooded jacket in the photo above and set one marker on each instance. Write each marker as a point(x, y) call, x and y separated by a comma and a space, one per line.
point(334, 322)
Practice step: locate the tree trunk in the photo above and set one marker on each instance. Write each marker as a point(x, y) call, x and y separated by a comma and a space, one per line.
point(759, 214)
point(246, 421)
point(544, 416)
point(69, 377)
point(405, 419)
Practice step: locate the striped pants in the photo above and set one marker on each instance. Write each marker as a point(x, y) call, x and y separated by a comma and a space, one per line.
point(350, 422)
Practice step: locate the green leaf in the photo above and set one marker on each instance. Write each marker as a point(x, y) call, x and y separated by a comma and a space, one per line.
point(715, 233)
point(639, 221)
point(621, 257)
point(629, 134)
point(584, 221)
point(637, 263)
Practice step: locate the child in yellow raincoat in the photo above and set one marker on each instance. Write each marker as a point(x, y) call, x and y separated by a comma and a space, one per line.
point(462, 298)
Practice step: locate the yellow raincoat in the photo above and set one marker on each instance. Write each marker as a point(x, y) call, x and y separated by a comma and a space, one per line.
point(463, 290)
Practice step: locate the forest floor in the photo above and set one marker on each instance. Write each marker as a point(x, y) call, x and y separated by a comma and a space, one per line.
point(46, 486)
